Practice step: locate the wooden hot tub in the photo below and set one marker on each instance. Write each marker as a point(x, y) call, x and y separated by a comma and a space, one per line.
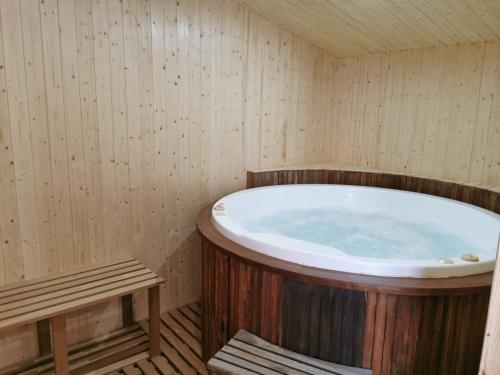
point(391, 325)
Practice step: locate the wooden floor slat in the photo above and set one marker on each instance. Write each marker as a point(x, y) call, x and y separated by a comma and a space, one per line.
point(132, 370)
point(183, 350)
point(186, 323)
point(180, 346)
point(182, 366)
point(185, 336)
point(163, 366)
point(196, 308)
point(188, 313)
point(147, 367)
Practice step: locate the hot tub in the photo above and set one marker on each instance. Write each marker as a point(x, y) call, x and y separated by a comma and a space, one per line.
point(363, 230)
point(365, 269)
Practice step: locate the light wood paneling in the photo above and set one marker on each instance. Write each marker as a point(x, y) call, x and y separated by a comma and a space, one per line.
point(430, 112)
point(121, 119)
point(351, 28)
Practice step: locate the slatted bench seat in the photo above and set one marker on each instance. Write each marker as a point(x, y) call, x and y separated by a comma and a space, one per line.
point(47, 300)
point(247, 354)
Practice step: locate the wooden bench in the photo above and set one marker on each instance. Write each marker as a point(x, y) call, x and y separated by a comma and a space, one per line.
point(247, 354)
point(47, 300)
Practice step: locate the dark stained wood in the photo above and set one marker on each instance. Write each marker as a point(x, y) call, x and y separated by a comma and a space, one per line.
point(214, 299)
point(431, 335)
point(407, 339)
point(253, 295)
point(388, 341)
point(44, 339)
point(268, 178)
point(325, 323)
point(378, 334)
point(371, 310)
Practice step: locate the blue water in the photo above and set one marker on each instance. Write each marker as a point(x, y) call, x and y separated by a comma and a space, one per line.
point(373, 235)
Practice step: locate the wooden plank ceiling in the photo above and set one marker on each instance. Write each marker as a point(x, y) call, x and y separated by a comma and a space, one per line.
point(357, 27)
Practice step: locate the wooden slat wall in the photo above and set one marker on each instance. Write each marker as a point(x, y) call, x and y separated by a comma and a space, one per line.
point(119, 119)
point(432, 112)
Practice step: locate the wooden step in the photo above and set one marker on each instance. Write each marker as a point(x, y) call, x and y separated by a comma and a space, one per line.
point(248, 354)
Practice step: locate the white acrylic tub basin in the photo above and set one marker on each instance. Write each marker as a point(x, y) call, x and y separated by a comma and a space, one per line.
point(362, 230)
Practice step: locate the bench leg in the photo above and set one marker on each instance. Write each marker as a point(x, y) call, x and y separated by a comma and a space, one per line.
point(127, 311)
point(60, 344)
point(154, 321)
point(44, 340)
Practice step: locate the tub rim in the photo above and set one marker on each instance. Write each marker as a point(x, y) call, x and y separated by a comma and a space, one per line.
point(478, 283)
point(291, 248)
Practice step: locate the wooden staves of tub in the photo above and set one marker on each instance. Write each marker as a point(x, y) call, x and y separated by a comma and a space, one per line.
point(400, 310)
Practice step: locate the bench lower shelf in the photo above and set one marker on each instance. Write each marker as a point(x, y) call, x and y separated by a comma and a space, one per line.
point(93, 354)
point(125, 351)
